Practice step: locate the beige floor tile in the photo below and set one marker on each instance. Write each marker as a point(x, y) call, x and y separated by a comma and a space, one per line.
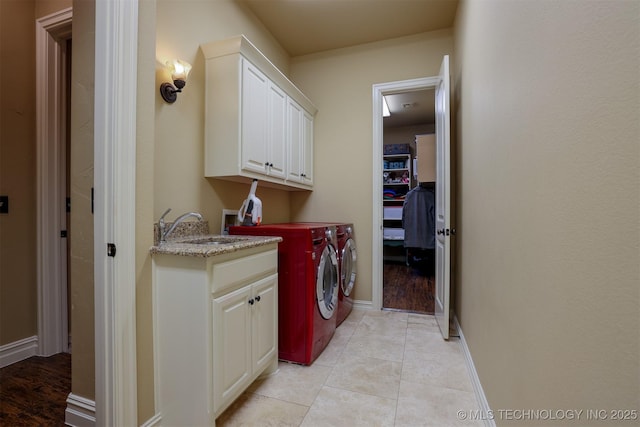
point(355, 315)
point(381, 325)
point(367, 375)
point(382, 368)
point(293, 383)
point(428, 341)
point(255, 410)
point(342, 408)
point(389, 314)
point(427, 405)
point(387, 347)
point(335, 348)
point(338, 343)
point(422, 320)
point(347, 328)
point(436, 369)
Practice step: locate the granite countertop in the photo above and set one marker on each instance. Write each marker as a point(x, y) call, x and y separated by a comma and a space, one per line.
point(193, 239)
point(211, 245)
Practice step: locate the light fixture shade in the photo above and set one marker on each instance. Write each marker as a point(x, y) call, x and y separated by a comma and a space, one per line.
point(179, 69)
point(385, 108)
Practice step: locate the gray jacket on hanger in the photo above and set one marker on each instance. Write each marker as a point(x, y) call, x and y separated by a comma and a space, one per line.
point(418, 218)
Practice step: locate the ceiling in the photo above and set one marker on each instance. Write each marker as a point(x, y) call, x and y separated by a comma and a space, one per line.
point(308, 26)
point(304, 27)
point(411, 108)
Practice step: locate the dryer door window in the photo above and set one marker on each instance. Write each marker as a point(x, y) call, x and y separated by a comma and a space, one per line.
point(327, 282)
point(348, 267)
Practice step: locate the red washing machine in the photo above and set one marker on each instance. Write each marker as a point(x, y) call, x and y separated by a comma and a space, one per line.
point(347, 257)
point(308, 287)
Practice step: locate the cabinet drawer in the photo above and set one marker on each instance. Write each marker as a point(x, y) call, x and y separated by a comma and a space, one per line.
point(235, 272)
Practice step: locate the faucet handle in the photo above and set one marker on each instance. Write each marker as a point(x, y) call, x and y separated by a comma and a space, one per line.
point(165, 214)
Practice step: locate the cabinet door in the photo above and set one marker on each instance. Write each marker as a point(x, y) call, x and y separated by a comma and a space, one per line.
point(276, 131)
point(265, 321)
point(300, 144)
point(294, 113)
point(255, 92)
point(232, 364)
point(307, 145)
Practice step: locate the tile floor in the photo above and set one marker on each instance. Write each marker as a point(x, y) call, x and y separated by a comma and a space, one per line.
point(382, 368)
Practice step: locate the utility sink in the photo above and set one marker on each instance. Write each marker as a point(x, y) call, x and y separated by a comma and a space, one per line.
point(213, 240)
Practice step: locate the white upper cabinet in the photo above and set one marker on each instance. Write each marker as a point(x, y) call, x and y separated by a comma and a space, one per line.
point(307, 144)
point(277, 131)
point(258, 125)
point(263, 122)
point(300, 162)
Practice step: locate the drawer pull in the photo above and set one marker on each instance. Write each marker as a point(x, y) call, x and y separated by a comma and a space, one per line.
point(250, 301)
point(258, 298)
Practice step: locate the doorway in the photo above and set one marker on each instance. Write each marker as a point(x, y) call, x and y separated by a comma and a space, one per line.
point(53, 71)
point(408, 282)
point(404, 280)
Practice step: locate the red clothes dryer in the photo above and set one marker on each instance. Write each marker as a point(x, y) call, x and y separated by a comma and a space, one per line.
point(308, 287)
point(347, 258)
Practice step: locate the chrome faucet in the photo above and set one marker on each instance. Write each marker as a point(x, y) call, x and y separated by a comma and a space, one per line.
point(162, 225)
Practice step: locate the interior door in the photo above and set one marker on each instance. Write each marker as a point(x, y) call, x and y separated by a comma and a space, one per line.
point(443, 200)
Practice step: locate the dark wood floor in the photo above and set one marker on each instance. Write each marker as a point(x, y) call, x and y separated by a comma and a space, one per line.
point(33, 392)
point(408, 288)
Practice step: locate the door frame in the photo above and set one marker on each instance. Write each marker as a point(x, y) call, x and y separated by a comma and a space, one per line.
point(115, 115)
point(379, 90)
point(116, 35)
point(52, 33)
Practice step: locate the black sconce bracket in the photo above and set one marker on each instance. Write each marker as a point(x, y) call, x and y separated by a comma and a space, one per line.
point(169, 92)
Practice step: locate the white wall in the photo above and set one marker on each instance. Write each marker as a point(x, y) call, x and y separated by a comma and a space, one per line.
point(548, 104)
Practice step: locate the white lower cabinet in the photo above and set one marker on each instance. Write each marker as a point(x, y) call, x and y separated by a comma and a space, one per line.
point(215, 330)
point(245, 330)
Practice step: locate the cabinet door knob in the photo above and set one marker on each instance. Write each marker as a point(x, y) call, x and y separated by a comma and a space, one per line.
point(258, 298)
point(250, 301)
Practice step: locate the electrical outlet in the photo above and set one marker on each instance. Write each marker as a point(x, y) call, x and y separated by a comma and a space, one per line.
point(4, 204)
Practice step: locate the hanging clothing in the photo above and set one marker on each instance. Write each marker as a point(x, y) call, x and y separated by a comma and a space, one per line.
point(418, 218)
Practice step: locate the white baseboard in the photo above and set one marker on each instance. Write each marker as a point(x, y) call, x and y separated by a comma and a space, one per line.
point(153, 421)
point(475, 380)
point(362, 305)
point(81, 412)
point(18, 350)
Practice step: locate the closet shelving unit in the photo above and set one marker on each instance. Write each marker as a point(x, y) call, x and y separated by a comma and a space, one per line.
point(397, 181)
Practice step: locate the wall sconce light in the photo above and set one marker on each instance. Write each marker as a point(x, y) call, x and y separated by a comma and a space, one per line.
point(179, 72)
